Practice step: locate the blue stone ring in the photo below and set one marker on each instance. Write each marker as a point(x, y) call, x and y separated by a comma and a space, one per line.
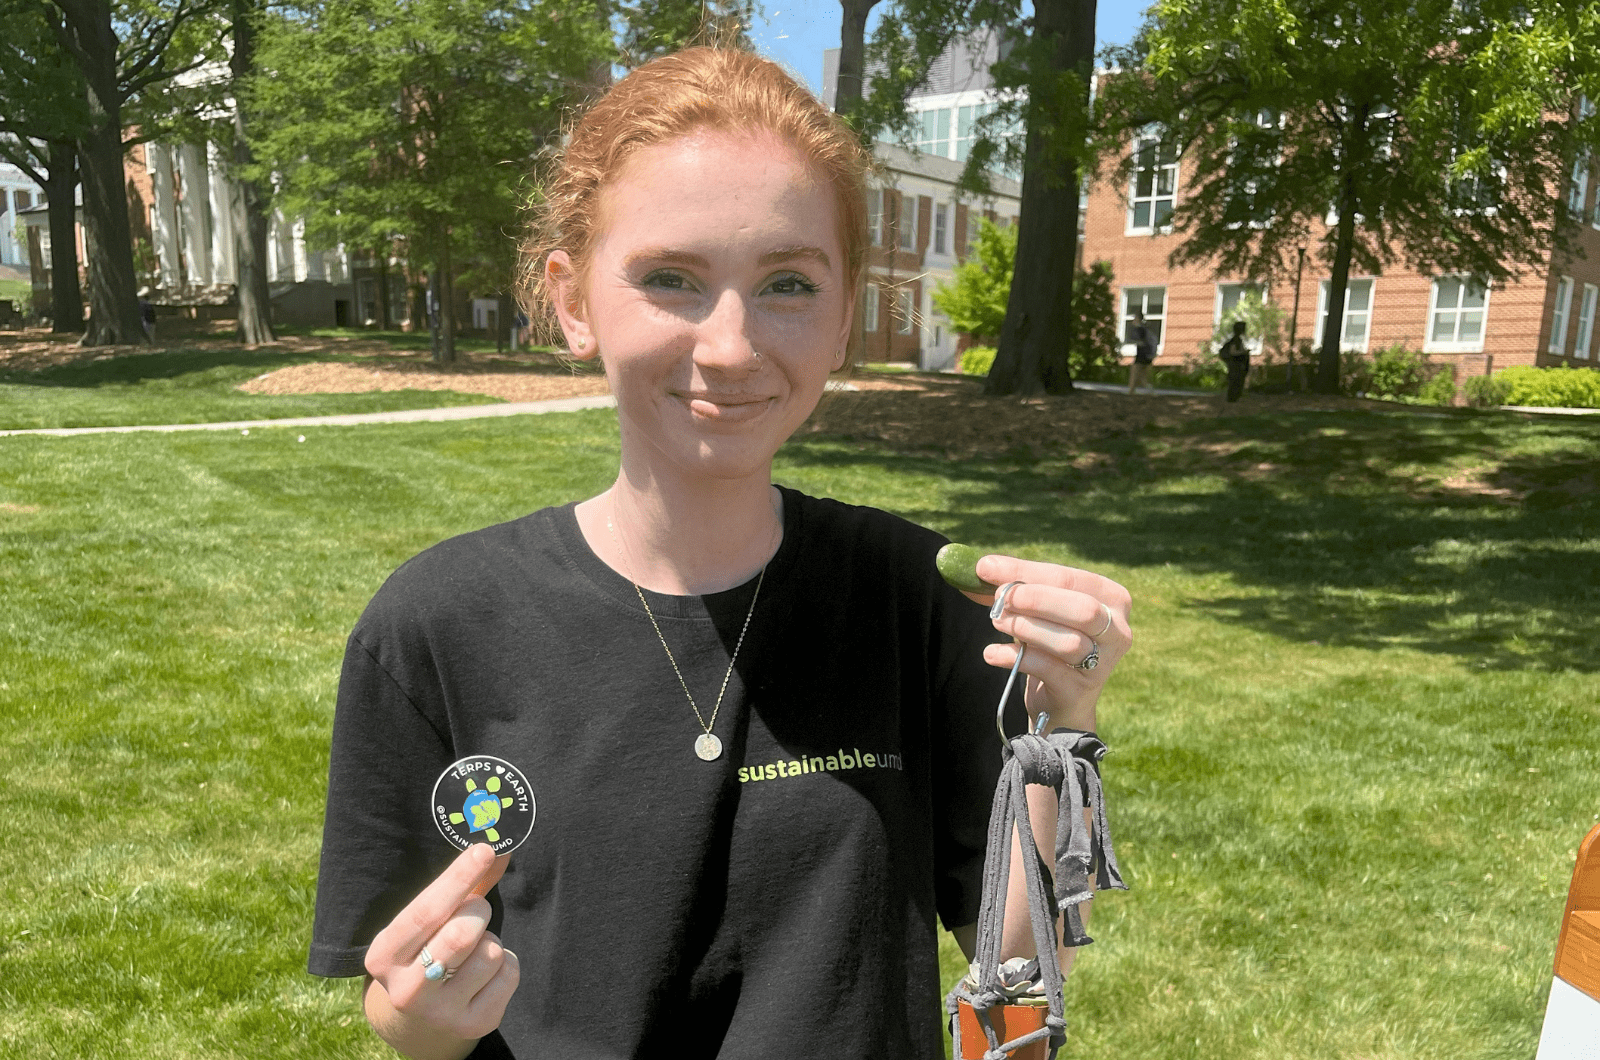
point(432, 970)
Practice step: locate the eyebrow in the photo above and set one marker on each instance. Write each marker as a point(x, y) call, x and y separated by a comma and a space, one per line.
point(816, 254)
point(665, 256)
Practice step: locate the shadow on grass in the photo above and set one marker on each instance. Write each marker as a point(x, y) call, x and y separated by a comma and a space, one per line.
point(1467, 536)
point(160, 364)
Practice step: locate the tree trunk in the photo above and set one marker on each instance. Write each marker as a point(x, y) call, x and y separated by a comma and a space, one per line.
point(248, 203)
point(1327, 379)
point(381, 259)
point(445, 351)
point(60, 185)
point(114, 317)
point(848, 85)
point(1036, 338)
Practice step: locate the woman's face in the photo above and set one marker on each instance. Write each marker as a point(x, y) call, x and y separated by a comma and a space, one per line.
point(716, 298)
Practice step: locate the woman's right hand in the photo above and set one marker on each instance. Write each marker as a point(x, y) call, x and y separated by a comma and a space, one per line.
point(442, 1019)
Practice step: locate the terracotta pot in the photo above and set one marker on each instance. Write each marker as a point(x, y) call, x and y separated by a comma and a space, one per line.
point(1010, 1021)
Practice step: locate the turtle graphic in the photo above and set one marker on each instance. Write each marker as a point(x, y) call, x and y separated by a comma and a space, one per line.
point(482, 808)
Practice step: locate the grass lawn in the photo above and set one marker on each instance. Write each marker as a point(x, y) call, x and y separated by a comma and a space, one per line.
point(1353, 751)
point(185, 385)
point(17, 291)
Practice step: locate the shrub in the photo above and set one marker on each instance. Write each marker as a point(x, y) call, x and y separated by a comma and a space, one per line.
point(1441, 389)
point(1484, 391)
point(977, 360)
point(1396, 372)
point(1563, 387)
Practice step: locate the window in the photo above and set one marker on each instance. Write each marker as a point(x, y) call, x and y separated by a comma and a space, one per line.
point(933, 132)
point(973, 217)
point(1558, 316)
point(966, 120)
point(1578, 187)
point(875, 216)
point(1456, 314)
point(1155, 183)
point(1586, 321)
point(908, 223)
point(1152, 302)
point(941, 225)
point(903, 314)
point(1229, 294)
point(869, 309)
point(1228, 297)
point(1253, 161)
point(1357, 314)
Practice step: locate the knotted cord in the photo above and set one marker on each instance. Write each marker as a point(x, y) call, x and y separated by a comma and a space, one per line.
point(1053, 760)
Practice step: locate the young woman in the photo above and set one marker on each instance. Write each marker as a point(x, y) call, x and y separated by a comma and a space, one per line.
point(758, 726)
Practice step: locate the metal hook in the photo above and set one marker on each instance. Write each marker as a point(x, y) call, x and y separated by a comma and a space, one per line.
point(995, 612)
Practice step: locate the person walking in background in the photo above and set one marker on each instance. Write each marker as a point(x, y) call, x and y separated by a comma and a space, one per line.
point(1237, 358)
point(1144, 355)
point(147, 314)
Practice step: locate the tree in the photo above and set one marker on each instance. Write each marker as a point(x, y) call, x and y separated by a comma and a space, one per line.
point(849, 83)
point(1436, 133)
point(127, 53)
point(975, 301)
point(43, 110)
point(417, 121)
point(1042, 85)
point(655, 27)
point(249, 202)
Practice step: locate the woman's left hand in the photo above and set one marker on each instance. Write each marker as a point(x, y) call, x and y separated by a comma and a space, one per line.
point(1061, 614)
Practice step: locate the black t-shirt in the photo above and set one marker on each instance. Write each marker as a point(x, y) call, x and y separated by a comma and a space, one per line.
point(776, 902)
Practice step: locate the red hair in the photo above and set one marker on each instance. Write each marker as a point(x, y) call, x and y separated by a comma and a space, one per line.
point(673, 96)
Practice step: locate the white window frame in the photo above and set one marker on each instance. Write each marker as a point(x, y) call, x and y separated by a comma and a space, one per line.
point(934, 141)
point(941, 228)
point(1456, 345)
point(907, 222)
point(1156, 196)
point(1252, 343)
point(875, 216)
point(871, 299)
point(902, 311)
point(1157, 322)
point(1560, 314)
point(1578, 187)
point(1586, 310)
point(1344, 327)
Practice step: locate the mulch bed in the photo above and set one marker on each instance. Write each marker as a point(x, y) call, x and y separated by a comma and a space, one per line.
point(924, 412)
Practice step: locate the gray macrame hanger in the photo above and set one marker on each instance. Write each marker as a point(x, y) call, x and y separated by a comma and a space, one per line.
point(1067, 760)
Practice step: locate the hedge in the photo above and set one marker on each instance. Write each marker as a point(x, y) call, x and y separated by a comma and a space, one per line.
point(1563, 387)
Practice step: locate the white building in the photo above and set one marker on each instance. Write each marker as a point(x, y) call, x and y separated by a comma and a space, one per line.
point(18, 192)
point(919, 219)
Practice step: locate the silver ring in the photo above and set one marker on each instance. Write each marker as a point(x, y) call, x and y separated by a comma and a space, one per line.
point(432, 970)
point(1105, 627)
point(1091, 660)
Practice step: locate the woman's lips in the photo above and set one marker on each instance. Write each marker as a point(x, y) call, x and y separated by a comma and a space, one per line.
point(726, 408)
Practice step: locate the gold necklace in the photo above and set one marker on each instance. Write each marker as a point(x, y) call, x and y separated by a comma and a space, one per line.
point(707, 745)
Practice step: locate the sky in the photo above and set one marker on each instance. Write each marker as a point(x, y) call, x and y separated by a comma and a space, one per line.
point(796, 32)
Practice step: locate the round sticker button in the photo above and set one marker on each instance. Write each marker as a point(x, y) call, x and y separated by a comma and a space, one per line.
point(483, 799)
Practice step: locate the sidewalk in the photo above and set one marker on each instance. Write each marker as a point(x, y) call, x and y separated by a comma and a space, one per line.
point(1122, 388)
point(464, 412)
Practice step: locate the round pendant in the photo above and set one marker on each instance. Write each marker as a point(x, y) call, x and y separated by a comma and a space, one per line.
point(708, 747)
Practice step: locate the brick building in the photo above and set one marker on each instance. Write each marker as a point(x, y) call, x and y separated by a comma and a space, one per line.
point(1545, 316)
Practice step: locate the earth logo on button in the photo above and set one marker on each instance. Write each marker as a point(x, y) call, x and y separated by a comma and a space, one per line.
point(496, 804)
